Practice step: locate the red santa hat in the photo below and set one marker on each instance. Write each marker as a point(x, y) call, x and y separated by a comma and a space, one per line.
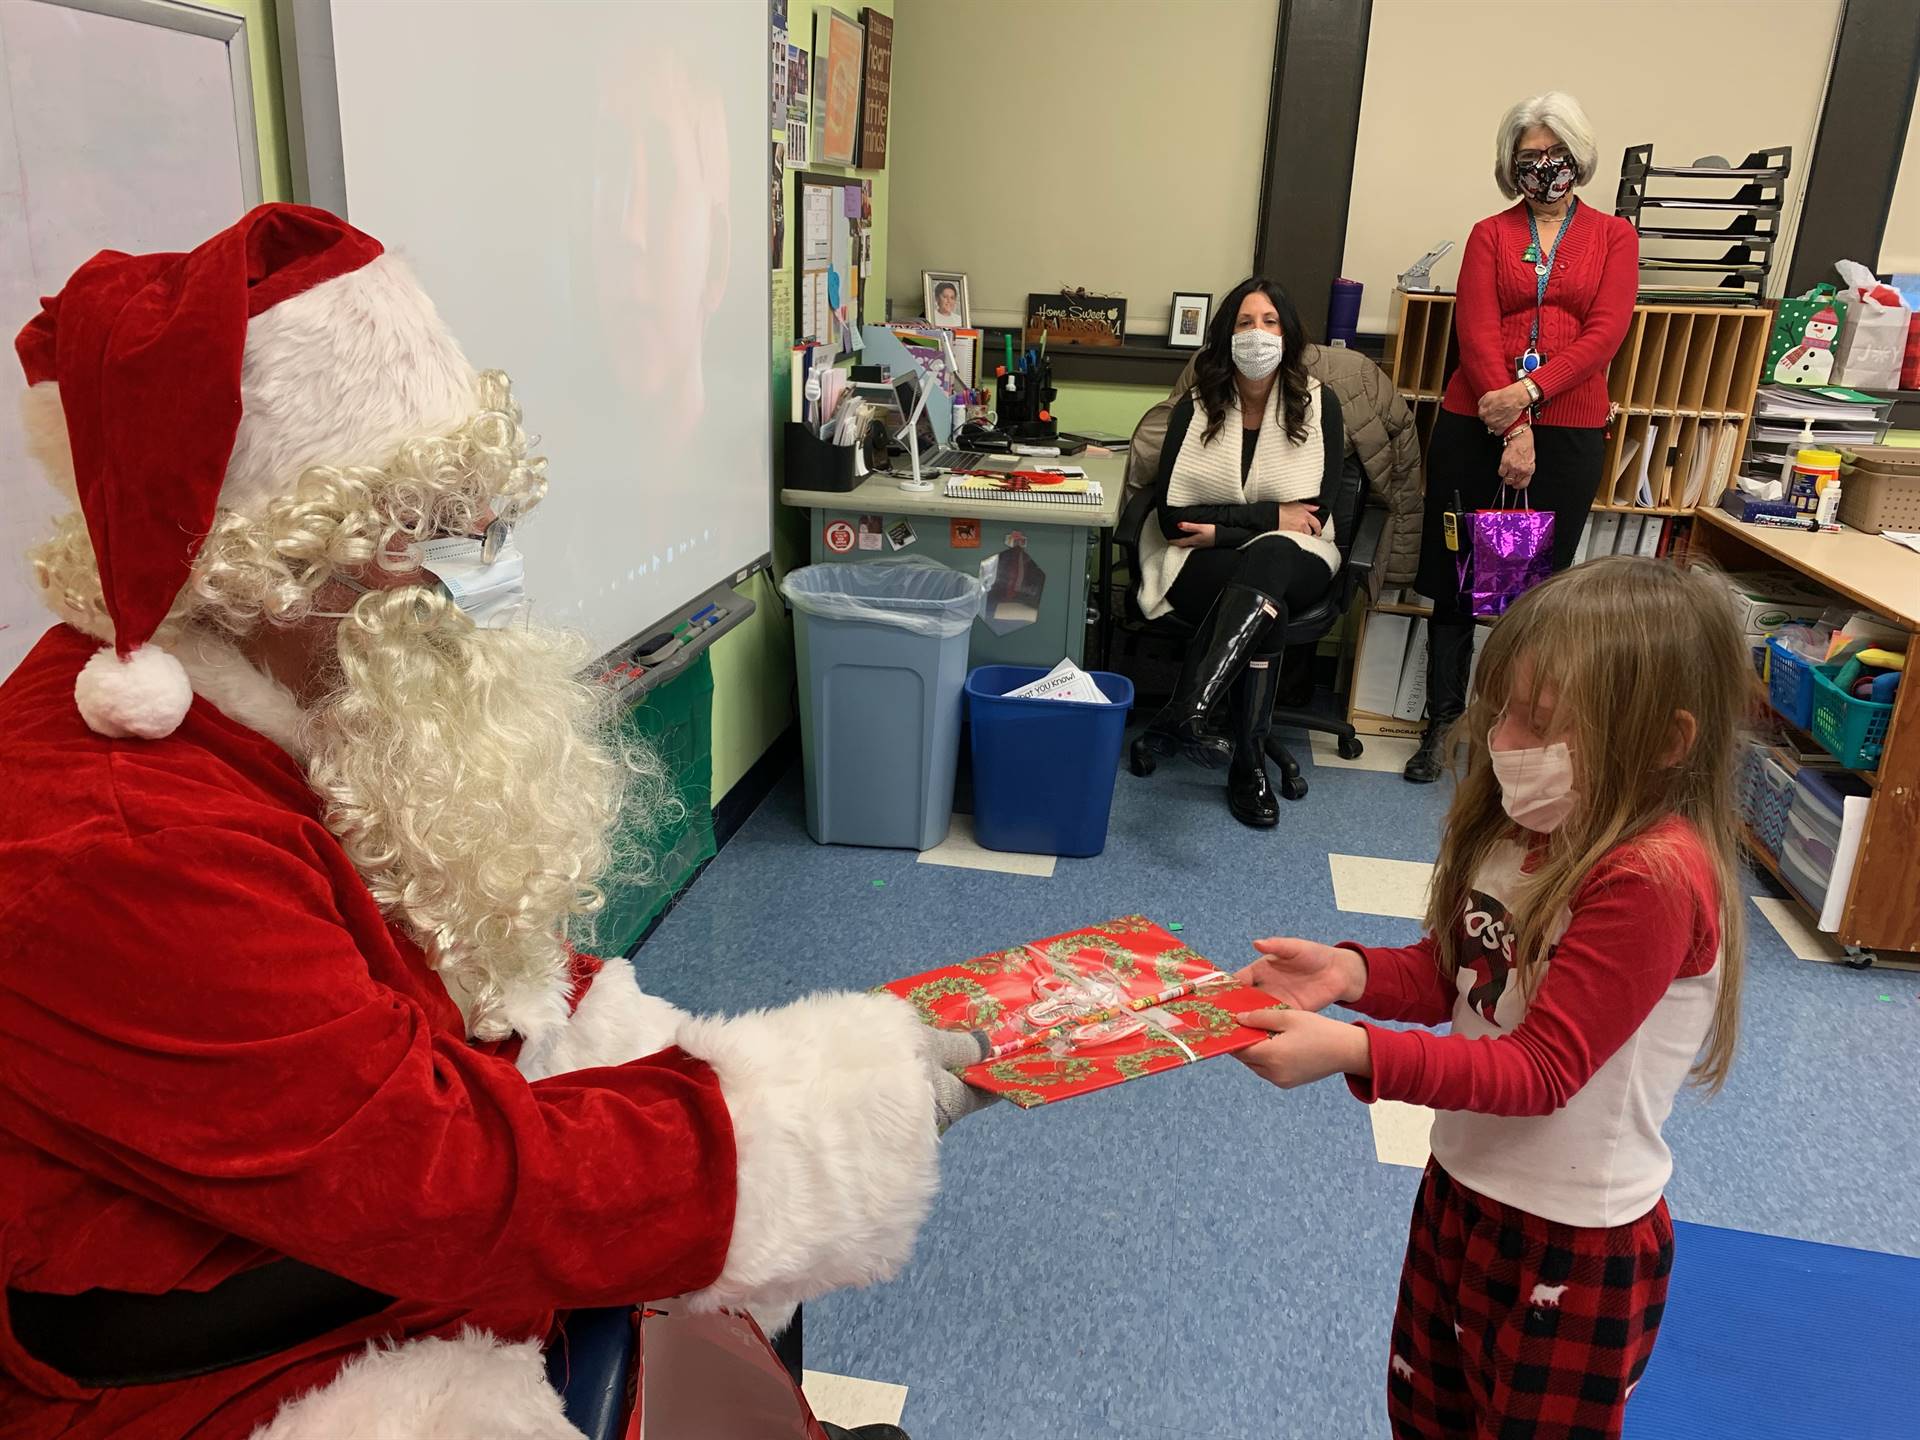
point(187, 383)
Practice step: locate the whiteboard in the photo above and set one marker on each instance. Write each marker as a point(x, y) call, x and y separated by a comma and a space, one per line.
point(126, 125)
point(582, 189)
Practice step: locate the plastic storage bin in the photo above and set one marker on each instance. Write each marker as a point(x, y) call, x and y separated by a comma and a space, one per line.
point(882, 651)
point(1854, 731)
point(1789, 684)
point(1765, 793)
point(1044, 770)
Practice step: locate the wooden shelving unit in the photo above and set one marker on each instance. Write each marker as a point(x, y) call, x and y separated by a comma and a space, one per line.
point(1684, 375)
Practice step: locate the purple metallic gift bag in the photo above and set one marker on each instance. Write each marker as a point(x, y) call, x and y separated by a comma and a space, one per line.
point(1510, 552)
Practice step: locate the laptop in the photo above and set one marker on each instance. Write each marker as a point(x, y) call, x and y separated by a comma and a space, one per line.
point(936, 454)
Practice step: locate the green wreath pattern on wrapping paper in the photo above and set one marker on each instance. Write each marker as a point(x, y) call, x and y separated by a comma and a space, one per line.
point(1167, 966)
point(985, 1009)
point(1126, 925)
point(1062, 951)
point(1132, 1067)
point(1203, 1014)
point(1008, 1072)
point(1007, 962)
point(1025, 1099)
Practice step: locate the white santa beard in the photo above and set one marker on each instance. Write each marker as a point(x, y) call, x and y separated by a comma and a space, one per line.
point(476, 784)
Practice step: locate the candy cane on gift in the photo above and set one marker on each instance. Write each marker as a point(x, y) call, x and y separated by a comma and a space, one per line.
point(1198, 985)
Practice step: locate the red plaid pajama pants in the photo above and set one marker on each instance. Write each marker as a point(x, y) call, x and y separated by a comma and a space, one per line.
point(1511, 1327)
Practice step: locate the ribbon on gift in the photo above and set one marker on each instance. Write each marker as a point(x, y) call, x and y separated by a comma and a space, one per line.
point(1072, 1009)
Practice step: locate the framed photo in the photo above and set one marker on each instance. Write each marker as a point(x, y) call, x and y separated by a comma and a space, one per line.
point(1187, 322)
point(944, 293)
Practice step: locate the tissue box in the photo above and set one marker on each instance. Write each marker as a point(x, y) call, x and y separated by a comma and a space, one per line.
point(1766, 602)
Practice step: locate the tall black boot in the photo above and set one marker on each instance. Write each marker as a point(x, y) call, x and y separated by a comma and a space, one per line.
point(1241, 620)
point(1249, 793)
point(1449, 659)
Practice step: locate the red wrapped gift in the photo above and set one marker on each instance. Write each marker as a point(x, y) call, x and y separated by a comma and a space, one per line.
point(1087, 1010)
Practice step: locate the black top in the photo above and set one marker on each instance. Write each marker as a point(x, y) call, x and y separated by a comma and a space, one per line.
point(1237, 524)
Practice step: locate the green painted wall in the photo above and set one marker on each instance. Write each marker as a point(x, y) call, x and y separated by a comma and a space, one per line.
point(753, 674)
point(1084, 405)
point(269, 99)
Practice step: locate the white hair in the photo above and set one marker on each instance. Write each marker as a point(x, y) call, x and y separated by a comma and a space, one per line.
point(1560, 113)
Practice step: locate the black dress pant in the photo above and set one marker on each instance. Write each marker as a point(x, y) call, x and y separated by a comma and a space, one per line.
point(1276, 568)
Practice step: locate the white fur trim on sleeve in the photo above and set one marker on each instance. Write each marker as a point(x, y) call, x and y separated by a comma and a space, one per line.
point(832, 1109)
point(616, 1021)
point(471, 1385)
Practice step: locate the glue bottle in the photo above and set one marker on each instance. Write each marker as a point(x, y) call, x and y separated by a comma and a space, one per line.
point(1829, 511)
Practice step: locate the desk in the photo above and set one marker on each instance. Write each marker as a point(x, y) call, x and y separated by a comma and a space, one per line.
point(1056, 540)
point(1883, 904)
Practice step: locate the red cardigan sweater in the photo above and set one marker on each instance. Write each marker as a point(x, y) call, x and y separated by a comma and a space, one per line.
point(1582, 323)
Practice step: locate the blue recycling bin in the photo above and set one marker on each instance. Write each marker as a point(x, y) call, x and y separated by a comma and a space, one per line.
point(1044, 770)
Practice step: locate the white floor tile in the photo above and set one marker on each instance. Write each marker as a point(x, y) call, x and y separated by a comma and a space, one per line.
point(1383, 753)
point(962, 852)
point(1798, 931)
point(849, 1403)
point(1363, 885)
point(1400, 1133)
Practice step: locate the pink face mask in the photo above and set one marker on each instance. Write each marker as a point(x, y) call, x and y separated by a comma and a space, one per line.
point(1536, 786)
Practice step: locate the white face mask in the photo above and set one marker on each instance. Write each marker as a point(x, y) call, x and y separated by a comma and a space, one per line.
point(1536, 786)
point(491, 593)
point(1257, 353)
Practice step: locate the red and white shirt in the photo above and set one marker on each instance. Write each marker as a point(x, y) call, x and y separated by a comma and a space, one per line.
point(1554, 1103)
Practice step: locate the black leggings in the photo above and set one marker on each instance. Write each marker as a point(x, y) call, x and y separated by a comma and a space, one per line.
point(1276, 567)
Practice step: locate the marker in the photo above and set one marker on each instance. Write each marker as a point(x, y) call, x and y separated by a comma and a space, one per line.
point(1009, 338)
point(711, 611)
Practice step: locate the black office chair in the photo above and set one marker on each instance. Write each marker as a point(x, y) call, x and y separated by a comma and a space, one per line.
point(1357, 528)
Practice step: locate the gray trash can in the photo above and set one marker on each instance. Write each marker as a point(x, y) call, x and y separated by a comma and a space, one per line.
point(883, 656)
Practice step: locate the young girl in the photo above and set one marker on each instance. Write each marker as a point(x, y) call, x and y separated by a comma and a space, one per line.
point(1584, 943)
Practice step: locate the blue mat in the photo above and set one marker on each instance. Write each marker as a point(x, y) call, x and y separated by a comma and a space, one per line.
point(1772, 1339)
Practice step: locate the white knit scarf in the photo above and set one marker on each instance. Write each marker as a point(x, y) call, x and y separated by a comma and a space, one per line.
point(1284, 469)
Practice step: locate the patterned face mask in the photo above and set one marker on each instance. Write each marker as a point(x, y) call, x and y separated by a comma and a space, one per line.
point(1546, 179)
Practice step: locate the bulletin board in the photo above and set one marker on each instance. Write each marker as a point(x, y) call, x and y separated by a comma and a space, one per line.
point(832, 257)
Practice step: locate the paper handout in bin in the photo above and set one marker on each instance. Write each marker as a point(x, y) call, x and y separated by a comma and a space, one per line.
point(1066, 681)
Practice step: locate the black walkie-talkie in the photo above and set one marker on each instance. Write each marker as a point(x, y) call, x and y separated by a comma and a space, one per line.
point(1450, 524)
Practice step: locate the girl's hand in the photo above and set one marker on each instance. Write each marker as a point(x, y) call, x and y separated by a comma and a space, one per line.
point(1299, 517)
point(1197, 537)
point(1500, 408)
point(1308, 976)
point(1304, 1048)
point(1516, 461)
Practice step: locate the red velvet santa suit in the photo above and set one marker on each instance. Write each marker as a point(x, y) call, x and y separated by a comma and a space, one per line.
point(215, 1050)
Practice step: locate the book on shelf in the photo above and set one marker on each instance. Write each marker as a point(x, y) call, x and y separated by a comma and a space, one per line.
point(1410, 697)
point(1087, 1010)
point(1651, 533)
point(1585, 547)
point(1383, 653)
point(1606, 532)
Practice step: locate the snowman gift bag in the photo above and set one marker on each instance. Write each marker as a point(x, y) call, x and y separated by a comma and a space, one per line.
point(1804, 330)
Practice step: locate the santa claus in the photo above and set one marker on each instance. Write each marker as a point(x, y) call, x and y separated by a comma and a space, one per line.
point(310, 1119)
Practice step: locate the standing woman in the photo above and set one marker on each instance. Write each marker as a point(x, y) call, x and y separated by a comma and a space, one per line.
point(1546, 292)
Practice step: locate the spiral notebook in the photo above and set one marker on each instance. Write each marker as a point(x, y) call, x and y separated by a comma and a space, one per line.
point(1032, 486)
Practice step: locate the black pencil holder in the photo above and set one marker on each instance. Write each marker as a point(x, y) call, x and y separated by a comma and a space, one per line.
point(815, 464)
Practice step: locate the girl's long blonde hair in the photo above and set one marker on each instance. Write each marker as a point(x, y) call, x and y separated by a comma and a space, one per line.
point(1626, 644)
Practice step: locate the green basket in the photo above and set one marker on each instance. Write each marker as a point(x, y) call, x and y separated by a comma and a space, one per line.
point(676, 719)
point(1853, 731)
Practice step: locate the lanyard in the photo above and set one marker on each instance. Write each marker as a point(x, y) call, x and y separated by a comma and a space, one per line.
point(1543, 269)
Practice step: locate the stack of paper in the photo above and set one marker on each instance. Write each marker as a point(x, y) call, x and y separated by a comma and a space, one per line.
point(1066, 681)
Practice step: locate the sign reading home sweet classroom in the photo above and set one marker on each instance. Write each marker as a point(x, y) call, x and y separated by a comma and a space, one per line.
point(1076, 318)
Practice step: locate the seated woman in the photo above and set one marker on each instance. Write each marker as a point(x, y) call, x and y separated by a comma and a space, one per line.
point(1244, 534)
